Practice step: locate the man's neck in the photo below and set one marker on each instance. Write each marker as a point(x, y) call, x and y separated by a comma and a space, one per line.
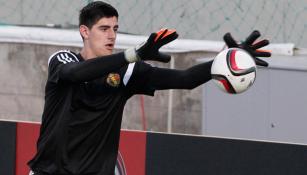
point(86, 54)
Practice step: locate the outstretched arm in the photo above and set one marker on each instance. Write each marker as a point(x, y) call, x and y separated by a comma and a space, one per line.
point(90, 69)
point(161, 78)
point(67, 67)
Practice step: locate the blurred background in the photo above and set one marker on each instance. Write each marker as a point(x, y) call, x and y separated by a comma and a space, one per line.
point(281, 21)
point(273, 109)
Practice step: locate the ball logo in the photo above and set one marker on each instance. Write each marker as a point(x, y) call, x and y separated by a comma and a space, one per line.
point(120, 168)
point(233, 66)
point(113, 79)
point(233, 70)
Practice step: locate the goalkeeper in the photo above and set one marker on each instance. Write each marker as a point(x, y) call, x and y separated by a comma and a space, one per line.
point(85, 93)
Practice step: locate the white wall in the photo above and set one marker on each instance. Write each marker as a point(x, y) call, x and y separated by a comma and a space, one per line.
point(275, 108)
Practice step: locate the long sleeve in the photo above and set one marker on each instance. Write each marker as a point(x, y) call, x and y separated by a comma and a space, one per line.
point(161, 78)
point(65, 66)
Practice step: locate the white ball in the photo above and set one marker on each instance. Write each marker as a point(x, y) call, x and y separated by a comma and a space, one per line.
point(233, 70)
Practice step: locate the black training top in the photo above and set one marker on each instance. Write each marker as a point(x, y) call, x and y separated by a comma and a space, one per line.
point(83, 109)
point(83, 112)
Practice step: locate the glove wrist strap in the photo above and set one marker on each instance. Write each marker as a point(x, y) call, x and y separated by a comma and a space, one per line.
point(131, 55)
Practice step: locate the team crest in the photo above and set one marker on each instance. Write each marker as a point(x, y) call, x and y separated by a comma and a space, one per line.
point(113, 79)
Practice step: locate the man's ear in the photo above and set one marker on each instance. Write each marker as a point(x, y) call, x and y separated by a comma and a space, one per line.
point(84, 31)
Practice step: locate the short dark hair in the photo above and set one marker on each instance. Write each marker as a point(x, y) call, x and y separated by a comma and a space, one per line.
point(94, 11)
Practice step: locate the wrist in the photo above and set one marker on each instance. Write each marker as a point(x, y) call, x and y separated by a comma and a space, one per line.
point(131, 55)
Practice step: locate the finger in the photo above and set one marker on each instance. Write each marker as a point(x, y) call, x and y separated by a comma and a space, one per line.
point(252, 37)
point(260, 44)
point(165, 58)
point(168, 33)
point(259, 53)
point(261, 50)
point(152, 37)
point(230, 41)
point(165, 36)
point(260, 62)
point(168, 37)
point(160, 34)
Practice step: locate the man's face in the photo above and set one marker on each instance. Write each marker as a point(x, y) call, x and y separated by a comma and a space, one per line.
point(100, 39)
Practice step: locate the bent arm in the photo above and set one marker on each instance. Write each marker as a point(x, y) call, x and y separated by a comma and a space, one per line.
point(190, 78)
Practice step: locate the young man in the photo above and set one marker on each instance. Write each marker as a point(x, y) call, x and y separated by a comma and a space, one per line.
point(86, 93)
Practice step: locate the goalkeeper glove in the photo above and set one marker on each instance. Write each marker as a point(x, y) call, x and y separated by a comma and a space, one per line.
point(149, 50)
point(251, 47)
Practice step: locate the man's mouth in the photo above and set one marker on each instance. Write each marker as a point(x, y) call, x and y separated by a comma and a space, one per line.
point(110, 46)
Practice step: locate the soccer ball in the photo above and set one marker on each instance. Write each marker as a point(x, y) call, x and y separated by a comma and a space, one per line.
point(233, 70)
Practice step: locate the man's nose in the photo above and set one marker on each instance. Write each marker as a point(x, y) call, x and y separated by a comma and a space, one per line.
point(112, 34)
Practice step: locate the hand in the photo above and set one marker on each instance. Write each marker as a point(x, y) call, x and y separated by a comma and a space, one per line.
point(251, 47)
point(149, 50)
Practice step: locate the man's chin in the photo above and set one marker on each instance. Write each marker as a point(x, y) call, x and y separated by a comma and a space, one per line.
point(106, 53)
